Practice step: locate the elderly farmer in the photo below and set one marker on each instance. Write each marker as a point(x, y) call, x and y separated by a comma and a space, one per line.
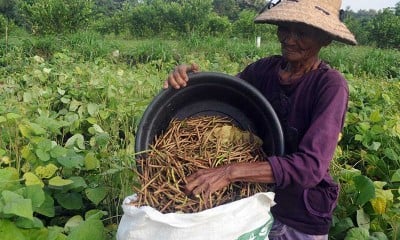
point(310, 99)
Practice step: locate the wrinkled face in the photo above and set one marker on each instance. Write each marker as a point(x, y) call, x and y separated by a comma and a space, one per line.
point(300, 42)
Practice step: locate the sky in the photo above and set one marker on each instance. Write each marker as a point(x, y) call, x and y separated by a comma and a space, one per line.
point(356, 5)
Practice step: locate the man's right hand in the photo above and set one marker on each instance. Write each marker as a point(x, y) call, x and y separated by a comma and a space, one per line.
point(178, 77)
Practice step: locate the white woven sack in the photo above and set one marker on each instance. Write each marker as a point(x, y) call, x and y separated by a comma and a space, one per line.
point(245, 219)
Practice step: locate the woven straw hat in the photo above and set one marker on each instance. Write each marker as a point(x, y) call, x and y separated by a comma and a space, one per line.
point(321, 14)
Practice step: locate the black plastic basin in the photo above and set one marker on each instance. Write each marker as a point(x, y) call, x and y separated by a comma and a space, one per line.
point(217, 94)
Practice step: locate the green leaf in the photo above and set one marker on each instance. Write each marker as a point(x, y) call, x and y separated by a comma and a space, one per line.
point(364, 126)
point(29, 129)
point(9, 179)
point(2, 119)
point(42, 155)
point(386, 98)
point(357, 234)
point(36, 194)
point(45, 144)
point(9, 231)
point(73, 222)
point(91, 162)
point(66, 100)
point(28, 154)
point(95, 214)
point(31, 179)
point(93, 109)
point(340, 226)
point(36, 234)
point(56, 233)
point(46, 171)
point(71, 160)
point(58, 151)
point(358, 137)
point(366, 189)
point(51, 124)
point(71, 200)
point(97, 128)
point(91, 120)
point(89, 229)
point(396, 176)
point(375, 146)
point(13, 116)
point(391, 154)
point(47, 207)
point(37, 129)
point(363, 219)
point(76, 140)
point(378, 236)
point(385, 194)
point(102, 139)
point(27, 97)
point(78, 184)
point(27, 223)
point(349, 174)
point(74, 105)
point(17, 205)
point(376, 225)
point(375, 116)
point(104, 114)
point(57, 181)
point(96, 195)
point(382, 198)
point(60, 91)
point(25, 130)
point(379, 184)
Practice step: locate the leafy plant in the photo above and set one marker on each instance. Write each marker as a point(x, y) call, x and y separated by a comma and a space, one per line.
point(68, 121)
point(55, 16)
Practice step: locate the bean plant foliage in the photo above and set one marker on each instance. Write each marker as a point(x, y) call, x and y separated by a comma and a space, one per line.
point(66, 147)
point(68, 118)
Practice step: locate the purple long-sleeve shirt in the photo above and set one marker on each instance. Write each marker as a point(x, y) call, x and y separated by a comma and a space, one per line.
point(312, 113)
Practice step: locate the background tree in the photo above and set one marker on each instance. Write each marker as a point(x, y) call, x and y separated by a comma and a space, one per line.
point(217, 25)
point(168, 18)
point(255, 5)
point(359, 24)
point(397, 9)
point(149, 18)
point(228, 8)
point(111, 7)
point(379, 28)
point(56, 16)
point(7, 10)
point(385, 29)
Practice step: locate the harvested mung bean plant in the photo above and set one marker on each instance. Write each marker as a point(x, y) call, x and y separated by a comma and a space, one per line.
point(187, 146)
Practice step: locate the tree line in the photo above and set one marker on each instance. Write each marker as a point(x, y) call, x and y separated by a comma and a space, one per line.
point(175, 18)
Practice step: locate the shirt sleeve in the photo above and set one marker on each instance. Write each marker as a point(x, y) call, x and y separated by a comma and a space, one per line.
point(310, 164)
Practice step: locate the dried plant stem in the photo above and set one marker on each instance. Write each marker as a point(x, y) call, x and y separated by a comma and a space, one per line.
point(187, 146)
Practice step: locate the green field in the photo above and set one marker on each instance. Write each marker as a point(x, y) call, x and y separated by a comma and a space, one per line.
point(70, 107)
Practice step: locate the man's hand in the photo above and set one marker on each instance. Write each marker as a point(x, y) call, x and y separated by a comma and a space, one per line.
point(208, 181)
point(178, 77)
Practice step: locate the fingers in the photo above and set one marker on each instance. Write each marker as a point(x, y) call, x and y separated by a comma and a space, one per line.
point(206, 181)
point(192, 183)
point(194, 67)
point(165, 85)
point(178, 77)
